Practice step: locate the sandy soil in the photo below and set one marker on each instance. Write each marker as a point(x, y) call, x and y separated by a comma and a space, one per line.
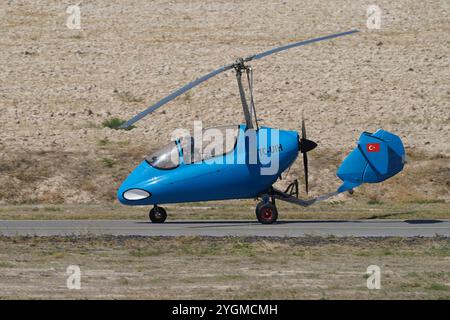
point(57, 86)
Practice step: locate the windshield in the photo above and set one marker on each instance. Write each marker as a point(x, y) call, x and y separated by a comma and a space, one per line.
point(165, 158)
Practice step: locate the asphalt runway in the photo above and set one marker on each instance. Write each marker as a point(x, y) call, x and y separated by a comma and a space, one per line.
point(283, 228)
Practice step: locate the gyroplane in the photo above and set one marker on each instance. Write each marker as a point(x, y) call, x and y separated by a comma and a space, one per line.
point(251, 159)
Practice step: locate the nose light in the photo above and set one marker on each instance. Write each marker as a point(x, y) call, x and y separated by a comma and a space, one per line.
point(136, 194)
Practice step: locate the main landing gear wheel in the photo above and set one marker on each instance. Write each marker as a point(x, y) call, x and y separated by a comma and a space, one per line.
point(266, 212)
point(157, 214)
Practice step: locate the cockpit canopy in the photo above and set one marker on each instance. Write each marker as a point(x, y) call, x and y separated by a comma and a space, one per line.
point(165, 158)
point(214, 142)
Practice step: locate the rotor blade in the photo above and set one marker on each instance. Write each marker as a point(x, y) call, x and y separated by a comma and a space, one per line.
point(189, 86)
point(305, 166)
point(297, 44)
point(175, 94)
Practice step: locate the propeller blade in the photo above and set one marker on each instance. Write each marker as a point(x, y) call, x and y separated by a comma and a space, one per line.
point(175, 94)
point(305, 167)
point(297, 44)
point(303, 127)
point(305, 145)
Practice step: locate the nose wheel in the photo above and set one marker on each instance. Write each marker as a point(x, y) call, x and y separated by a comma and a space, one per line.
point(266, 212)
point(157, 214)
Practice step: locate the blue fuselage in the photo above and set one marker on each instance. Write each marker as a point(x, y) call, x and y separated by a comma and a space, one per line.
point(234, 175)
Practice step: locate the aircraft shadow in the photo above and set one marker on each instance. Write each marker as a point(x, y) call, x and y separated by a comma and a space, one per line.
point(423, 221)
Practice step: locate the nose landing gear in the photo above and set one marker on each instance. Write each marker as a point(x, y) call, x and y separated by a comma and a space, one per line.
point(157, 214)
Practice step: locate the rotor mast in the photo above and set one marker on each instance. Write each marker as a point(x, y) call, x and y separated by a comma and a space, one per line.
point(239, 66)
point(249, 111)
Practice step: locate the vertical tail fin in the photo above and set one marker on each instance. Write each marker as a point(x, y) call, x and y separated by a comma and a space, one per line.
point(377, 157)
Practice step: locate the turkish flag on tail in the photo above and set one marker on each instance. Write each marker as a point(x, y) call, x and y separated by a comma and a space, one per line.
point(373, 147)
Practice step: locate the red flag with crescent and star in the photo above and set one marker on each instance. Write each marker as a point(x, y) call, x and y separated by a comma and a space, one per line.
point(373, 147)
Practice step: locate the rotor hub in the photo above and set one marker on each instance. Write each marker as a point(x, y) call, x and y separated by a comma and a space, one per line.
point(239, 65)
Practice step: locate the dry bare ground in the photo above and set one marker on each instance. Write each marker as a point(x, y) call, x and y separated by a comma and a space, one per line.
point(232, 268)
point(57, 87)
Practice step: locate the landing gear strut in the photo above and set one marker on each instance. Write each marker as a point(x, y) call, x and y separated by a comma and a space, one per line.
point(157, 214)
point(266, 211)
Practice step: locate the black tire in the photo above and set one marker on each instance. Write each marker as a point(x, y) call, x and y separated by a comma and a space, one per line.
point(266, 213)
point(257, 207)
point(157, 215)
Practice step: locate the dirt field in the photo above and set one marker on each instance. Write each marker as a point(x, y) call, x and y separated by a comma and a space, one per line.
point(233, 268)
point(57, 87)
